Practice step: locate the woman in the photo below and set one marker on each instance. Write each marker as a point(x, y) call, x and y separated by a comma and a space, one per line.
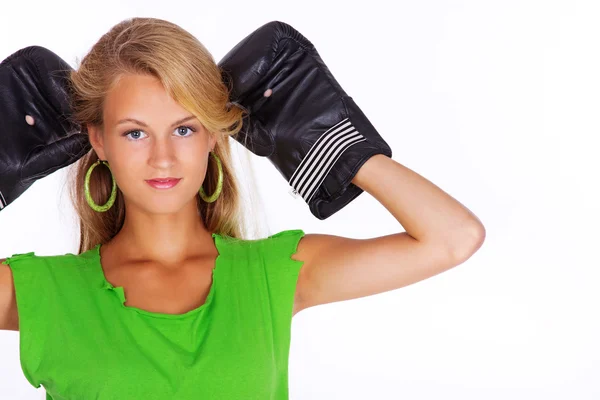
point(166, 299)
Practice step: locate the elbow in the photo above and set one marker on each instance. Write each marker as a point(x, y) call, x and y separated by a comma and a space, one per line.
point(470, 242)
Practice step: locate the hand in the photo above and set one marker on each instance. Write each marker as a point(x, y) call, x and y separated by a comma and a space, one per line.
point(299, 116)
point(36, 136)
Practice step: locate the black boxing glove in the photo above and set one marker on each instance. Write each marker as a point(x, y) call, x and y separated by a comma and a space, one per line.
point(307, 126)
point(36, 135)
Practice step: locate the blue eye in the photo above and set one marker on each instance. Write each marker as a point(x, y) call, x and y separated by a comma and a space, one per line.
point(138, 130)
point(186, 127)
point(130, 132)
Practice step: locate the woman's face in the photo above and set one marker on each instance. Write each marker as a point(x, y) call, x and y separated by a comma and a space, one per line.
point(159, 144)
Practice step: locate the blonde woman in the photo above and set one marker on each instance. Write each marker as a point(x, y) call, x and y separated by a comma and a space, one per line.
point(166, 298)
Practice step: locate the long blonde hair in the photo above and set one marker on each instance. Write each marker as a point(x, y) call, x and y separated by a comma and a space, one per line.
point(190, 75)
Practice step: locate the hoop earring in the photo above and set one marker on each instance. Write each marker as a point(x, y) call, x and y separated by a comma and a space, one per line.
point(217, 192)
point(88, 196)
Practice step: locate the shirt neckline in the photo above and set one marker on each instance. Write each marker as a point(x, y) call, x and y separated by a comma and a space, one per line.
point(120, 293)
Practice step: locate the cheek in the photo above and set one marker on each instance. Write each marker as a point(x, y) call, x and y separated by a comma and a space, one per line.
point(132, 162)
point(125, 173)
point(193, 156)
point(127, 166)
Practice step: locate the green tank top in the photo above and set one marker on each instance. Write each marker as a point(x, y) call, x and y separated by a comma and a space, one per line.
point(80, 341)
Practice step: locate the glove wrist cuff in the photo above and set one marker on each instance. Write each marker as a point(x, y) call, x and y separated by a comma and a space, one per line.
point(324, 176)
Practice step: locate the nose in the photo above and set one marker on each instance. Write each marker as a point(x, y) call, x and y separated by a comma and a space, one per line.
point(162, 154)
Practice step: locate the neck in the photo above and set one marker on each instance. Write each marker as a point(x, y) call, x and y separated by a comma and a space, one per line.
point(165, 239)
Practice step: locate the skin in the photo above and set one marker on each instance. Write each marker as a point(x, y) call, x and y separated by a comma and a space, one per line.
point(162, 227)
point(164, 233)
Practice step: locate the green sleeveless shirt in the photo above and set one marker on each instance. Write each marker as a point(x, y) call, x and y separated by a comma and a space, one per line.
point(79, 340)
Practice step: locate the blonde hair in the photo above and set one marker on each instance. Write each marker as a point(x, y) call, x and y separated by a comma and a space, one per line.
point(190, 75)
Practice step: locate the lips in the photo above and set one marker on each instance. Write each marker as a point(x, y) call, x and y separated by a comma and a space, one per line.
point(163, 180)
point(163, 183)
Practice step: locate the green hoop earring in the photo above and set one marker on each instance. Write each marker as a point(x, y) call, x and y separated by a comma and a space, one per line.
point(88, 196)
point(217, 192)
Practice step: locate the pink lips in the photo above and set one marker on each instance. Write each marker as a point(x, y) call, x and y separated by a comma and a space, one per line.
point(166, 184)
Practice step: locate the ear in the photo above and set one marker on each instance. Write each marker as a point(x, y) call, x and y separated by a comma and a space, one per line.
point(97, 140)
point(212, 141)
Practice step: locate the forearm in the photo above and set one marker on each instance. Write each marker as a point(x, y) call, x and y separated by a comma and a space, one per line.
point(426, 212)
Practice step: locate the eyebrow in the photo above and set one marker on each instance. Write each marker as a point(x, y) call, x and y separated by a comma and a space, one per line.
point(145, 125)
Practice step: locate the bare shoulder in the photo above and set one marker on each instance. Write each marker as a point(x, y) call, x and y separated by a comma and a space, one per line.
point(9, 319)
point(312, 244)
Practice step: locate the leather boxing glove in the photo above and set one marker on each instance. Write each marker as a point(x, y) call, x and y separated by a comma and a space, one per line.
point(36, 135)
point(299, 116)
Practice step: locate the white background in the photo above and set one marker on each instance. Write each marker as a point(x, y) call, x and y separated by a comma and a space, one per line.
point(496, 102)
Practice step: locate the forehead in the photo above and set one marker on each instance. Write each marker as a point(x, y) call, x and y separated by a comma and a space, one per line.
point(141, 95)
